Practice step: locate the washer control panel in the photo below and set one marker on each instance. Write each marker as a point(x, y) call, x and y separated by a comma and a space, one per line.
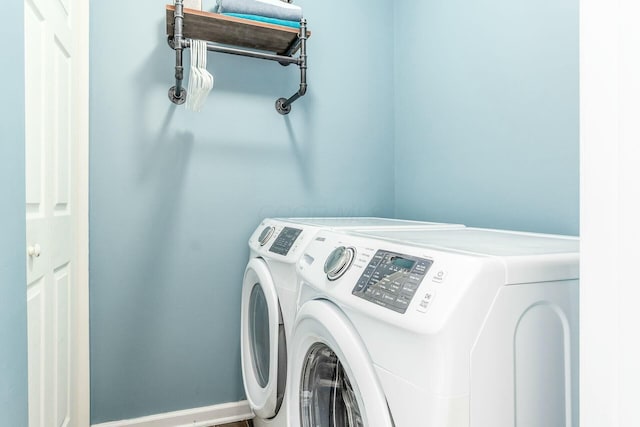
point(285, 240)
point(391, 279)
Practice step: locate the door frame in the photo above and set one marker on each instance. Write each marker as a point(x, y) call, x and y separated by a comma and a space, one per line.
point(609, 230)
point(83, 387)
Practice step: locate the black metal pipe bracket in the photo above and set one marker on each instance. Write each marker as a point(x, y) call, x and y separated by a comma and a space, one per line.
point(178, 94)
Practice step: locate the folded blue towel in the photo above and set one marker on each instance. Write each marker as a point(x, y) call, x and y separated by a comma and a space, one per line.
point(269, 8)
point(292, 24)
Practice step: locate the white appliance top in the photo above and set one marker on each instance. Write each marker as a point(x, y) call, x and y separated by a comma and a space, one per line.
point(483, 241)
point(285, 238)
point(527, 257)
point(365, 223)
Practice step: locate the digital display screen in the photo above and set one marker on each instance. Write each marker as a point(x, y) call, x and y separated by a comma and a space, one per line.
point(405, 263)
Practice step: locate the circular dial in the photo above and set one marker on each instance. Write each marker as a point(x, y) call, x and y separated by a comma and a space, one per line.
point(338, 262)
point(265, 235)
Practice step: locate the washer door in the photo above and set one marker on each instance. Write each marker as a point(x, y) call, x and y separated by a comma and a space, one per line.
point(332, 383)
point(263, 346)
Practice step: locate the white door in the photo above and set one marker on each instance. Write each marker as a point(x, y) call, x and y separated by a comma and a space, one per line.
point(53, 131)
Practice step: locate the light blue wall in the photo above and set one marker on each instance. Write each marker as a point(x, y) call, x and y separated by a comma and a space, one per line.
point(13, 309)
point(175, 195)
point(487, 113)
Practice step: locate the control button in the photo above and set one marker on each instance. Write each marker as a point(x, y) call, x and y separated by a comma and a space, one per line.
point(360, 286)
point(369, 271)
point(422, 266)
point(388, 298)
point(376, 277)
point(397, 282)
point(439, 276)
point(403, 301)
point(427, 299)
point(394, 288)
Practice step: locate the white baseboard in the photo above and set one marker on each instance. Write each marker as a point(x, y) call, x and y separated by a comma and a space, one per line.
point(196, 417)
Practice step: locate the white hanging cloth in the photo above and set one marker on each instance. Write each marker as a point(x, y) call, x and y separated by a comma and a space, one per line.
point(200, 80)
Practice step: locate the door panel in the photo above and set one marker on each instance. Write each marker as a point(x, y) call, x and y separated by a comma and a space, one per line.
point(62, 284)
point(36, 315)
point(34, 99)
point(61, 113)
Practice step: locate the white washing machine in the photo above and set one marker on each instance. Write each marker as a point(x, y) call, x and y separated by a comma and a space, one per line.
point(442, 328)
point(269, 302)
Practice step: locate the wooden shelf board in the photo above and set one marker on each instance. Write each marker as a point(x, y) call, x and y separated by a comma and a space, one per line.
point(233, 31)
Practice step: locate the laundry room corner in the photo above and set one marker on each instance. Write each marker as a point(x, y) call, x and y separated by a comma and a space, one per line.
point(487, 113)
point(364, 213)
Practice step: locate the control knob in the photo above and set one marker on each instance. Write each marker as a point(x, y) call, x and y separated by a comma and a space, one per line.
point(338, 262)
point(266, 235)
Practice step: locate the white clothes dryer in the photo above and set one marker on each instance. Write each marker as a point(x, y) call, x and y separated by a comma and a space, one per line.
point(436, 328)
point(269, 293)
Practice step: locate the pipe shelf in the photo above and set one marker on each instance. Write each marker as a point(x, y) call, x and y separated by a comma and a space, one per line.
point(236, 36)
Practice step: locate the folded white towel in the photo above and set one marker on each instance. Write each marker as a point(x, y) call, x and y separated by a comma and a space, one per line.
point(270, 8)
point(280, 3)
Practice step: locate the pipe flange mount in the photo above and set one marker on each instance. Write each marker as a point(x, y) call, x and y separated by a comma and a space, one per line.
point(177, 98)
point(282, 107)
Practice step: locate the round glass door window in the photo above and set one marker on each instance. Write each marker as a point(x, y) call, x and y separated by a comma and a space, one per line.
point(327, 398)
point(259, 334)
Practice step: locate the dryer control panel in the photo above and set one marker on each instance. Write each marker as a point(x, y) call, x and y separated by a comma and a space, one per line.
point(391, 279)
point(285, 240)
